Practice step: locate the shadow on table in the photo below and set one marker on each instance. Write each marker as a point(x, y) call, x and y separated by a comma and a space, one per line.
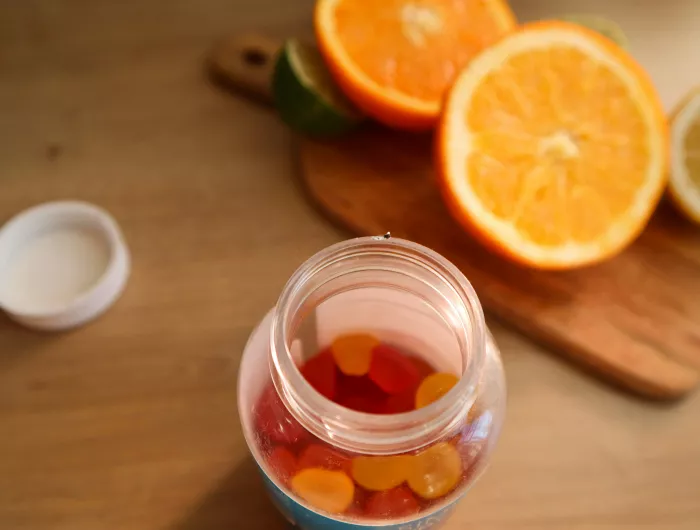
point(239, 501)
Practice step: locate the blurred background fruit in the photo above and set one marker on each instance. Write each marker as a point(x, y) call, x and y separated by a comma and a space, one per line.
point(305, 95)
point(684, 184)
point(605, 26)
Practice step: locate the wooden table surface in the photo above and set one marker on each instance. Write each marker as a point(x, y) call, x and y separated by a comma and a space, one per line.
point(131, 422)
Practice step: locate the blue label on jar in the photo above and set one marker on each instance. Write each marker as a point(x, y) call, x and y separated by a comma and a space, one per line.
point(308, 520)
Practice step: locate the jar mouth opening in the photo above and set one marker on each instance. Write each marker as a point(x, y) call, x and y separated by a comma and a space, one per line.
point(373, 433)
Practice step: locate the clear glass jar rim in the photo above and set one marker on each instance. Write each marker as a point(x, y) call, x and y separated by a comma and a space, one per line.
point(371, 433)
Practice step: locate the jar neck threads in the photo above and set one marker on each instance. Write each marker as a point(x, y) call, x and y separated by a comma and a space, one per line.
point(400, 266)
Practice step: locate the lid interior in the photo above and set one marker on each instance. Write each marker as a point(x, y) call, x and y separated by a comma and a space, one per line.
point(50, 258)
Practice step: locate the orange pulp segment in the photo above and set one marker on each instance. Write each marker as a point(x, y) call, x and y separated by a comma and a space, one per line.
point(435, 471)
point(378, 473)
point(396, 58)
point(553, 147)
point(353, 352)
point(434, 387)
point(330, 491)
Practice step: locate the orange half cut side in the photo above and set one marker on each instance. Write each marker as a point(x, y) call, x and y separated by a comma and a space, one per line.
point(553, 146)
point(396, 58)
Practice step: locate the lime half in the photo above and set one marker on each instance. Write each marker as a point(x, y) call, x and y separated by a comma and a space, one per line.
point(305, 95)
point(606, 27)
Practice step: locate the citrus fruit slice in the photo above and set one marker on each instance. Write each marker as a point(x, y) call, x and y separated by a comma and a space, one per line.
point(553, 147)
point(606, 27)
point(306, 96)
point(330, 491)
point(684, 186)
point(396, 58)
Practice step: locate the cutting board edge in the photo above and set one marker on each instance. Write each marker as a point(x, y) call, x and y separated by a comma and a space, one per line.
point(572, 353)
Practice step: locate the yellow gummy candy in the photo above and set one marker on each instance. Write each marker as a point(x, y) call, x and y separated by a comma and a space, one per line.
point(379, 473)
point(353, 352)
point(435, 471)
point(434, 387)
point(330, 491)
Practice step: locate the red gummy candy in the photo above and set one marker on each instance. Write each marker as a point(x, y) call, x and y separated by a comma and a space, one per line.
point(283, 463)
point(272, 419)
point(424, 369)
point(321, 373)
point(357, 508)
point(361, 394)
point(396, 502)
point(363, 404)
point(400, 403)
point(352, 385)
point(393, 371)
point(318, 455)
point(406, 400)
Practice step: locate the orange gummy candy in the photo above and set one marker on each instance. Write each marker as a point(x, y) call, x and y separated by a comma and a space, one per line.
point(330, 491)
point(378, 473)
point(435, 471)
point(353, 352)
point(434, 387)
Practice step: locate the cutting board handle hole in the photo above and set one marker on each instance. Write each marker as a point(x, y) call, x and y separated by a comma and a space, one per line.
point(255, 57)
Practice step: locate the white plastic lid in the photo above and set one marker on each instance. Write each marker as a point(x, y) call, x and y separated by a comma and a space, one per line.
point(62, 264)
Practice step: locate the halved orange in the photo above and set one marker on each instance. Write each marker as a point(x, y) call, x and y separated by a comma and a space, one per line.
point(552, 148)
point(396, 58)
point(684, 184)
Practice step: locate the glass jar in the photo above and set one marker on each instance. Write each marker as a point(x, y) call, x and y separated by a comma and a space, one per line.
point(405, 470)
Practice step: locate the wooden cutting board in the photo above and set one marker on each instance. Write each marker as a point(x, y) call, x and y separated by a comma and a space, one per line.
point(634, 320)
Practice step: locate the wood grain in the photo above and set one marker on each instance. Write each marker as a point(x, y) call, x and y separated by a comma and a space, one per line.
point(246, 61)
point(130, 422)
